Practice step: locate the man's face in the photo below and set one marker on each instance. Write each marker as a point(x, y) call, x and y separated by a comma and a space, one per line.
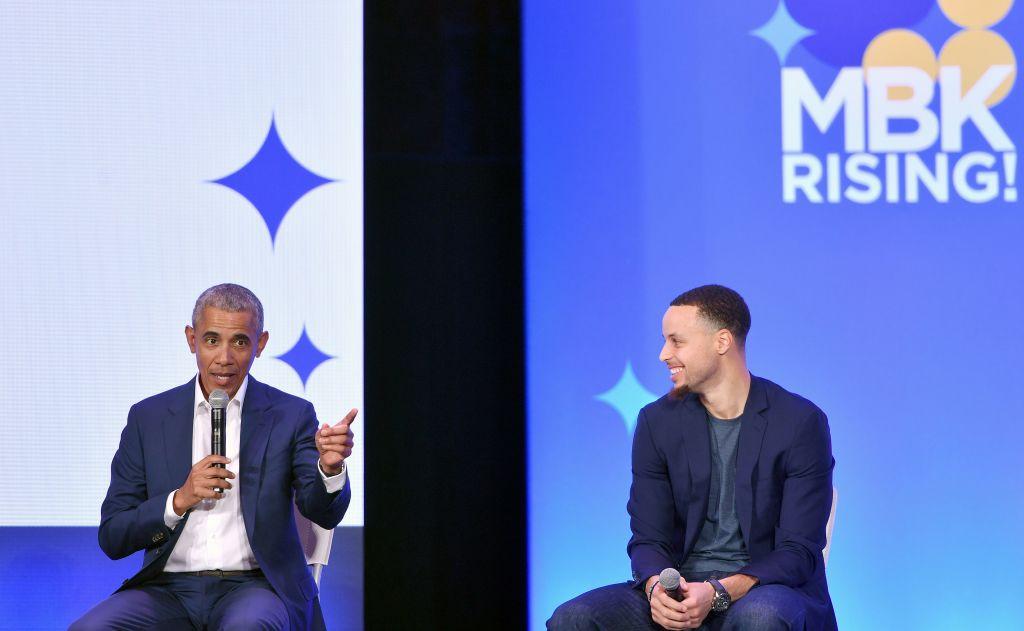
point(225, 344)
point(689, 350)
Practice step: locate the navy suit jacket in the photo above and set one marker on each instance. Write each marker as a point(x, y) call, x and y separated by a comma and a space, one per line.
point(278, 468)
point(783, 490)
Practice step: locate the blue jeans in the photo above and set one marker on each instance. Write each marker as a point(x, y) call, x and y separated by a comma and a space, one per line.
point(621, 606)
point(177, 601)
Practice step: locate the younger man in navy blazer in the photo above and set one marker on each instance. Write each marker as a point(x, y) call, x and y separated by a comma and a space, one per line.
point(732, 486)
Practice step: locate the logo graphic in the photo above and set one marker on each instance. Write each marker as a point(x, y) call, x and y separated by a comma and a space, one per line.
point(913, 122)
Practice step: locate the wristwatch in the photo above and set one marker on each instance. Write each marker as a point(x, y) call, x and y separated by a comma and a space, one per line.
point(722, 599)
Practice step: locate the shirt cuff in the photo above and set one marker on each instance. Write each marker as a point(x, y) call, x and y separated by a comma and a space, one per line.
point(171, 518)
point(333, 483)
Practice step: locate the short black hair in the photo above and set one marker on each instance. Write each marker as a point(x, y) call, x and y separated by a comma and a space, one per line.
point(720, 306)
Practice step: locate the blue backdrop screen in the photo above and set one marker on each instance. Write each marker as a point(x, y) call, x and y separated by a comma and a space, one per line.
point(850, 168)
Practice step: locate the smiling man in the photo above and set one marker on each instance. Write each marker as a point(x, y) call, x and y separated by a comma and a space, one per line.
point(732, 486)
point(222, 551)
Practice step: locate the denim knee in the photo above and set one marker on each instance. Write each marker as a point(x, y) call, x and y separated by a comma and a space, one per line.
point(574, 614)
point(250, 621)
point(761, 614)
point(85, 624)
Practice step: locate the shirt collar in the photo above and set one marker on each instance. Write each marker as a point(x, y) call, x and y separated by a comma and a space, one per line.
point(200, 400)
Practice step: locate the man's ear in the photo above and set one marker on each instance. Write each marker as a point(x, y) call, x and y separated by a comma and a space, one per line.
point(262, 342)
point(723, 341)
point(190, 337)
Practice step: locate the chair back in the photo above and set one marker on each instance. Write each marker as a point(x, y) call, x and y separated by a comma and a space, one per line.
point(316, 544)
point(831, 523)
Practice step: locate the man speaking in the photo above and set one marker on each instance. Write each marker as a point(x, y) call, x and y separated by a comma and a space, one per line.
point(222, 551)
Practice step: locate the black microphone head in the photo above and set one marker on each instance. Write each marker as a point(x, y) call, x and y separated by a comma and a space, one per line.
point(669, 579)
point(219, 399)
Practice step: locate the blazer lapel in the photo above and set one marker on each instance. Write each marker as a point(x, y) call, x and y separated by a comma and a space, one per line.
point(178, 433)
point(697, 442)
point(751, 438)
point(252, 448)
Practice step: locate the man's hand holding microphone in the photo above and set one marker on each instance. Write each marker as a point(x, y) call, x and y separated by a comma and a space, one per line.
point(676, 604)
point(201, 483)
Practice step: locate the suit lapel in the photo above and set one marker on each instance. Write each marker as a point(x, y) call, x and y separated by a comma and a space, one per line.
point(252, 448)
point(178, 433)
point(751, 438)
point(697, 442)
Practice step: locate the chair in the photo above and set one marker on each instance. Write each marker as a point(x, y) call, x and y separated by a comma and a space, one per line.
point(316, 544)
point(828, 527)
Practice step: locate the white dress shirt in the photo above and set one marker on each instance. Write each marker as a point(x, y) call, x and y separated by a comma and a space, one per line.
point(214, 537)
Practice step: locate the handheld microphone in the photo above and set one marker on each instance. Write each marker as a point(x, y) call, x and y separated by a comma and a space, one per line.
point(669, 579)
point(218, 419)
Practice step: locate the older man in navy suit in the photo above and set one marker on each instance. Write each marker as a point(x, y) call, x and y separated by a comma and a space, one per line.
point(222, 551)
point(732, 486)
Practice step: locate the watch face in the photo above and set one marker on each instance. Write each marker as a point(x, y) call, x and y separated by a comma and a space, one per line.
point(720, 602)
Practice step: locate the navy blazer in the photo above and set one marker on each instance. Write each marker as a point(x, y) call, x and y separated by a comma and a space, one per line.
point(783, 490)
point(277, 457)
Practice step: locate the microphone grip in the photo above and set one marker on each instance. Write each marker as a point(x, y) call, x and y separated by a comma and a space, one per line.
point(670, 582)
point(217, 446)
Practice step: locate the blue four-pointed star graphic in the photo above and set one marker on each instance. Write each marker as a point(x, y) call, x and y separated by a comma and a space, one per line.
point(304, 357)
point(627, 397)
point(272, 181)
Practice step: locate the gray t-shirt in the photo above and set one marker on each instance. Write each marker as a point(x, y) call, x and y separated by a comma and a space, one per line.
point(720, 546)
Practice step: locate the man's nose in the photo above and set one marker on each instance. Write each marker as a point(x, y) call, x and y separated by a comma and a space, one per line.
point(664, 355)
point(223, 356)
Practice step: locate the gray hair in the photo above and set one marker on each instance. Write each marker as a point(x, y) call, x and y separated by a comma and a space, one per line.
point(229, 297)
